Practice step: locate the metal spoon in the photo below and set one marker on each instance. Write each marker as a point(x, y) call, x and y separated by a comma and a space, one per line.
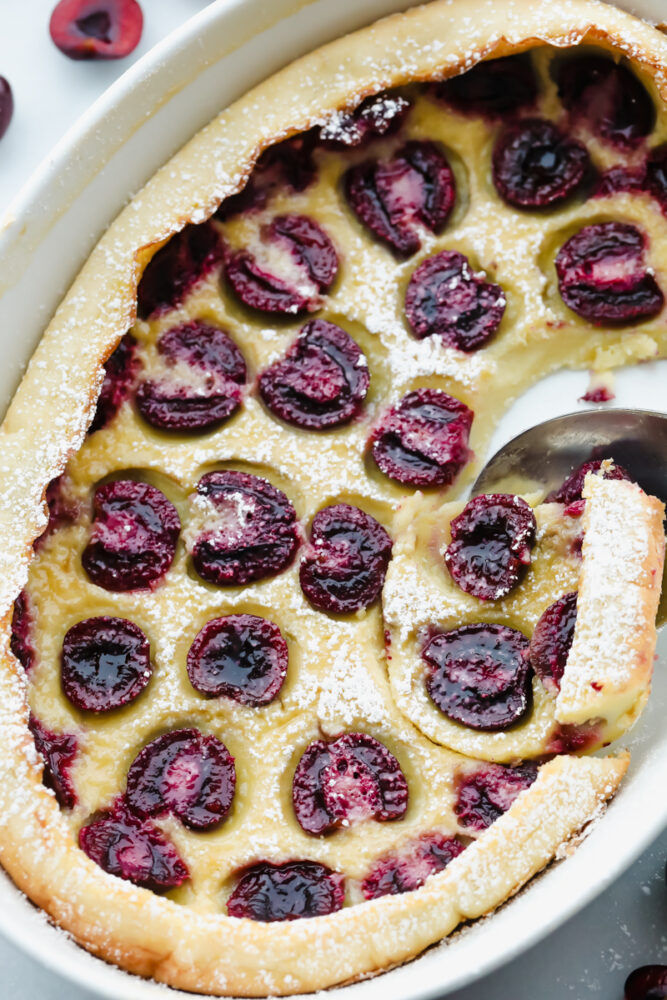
point(545, 455)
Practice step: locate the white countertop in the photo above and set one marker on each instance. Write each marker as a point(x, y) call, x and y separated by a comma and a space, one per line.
point(592, 954)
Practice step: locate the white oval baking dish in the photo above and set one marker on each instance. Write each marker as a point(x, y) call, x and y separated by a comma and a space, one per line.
point(47, 234)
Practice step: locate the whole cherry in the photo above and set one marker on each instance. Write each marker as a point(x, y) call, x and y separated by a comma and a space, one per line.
point(6, 105)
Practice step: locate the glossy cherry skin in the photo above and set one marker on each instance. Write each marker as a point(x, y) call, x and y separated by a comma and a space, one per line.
point(491, 543)
point(649, 982)
point(21, 642)
point(132, 848)
point(250, 530)
point(486, 793)
point(133, 537)
point(493, 88)
point(243, 657)
point(479, 675)
point(96, 29)
point(409, 867)
point(185, 773)
point(105, 663)
point(603, 277)
point(396, 198)
point(59, 752)
point(446, 299)
point(120, 371)
point(185, 260)
point(346, 781)
point(423, 440)
point(571, 488)
point(6, 105)
point(345, 564)
point(536, 166)
point(321, 382)
point(551, 641)
point(289, 891)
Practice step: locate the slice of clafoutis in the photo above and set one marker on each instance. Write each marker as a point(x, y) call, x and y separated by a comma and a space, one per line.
point(561, 659)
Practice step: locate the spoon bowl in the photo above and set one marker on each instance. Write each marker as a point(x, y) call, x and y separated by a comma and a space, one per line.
point(545, 455)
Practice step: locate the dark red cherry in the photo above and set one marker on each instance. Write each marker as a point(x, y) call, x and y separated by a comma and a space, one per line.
point(535, 165)
point(185, 773)
point(480, 675)
point(602, 275)
point(63, 508)
point(620, 178)
point(307, 247)
point(105, 663)
point(133, 849)
point(607, 97)
point(486, 793)
point(345, 563)
point(490, 547)
point(551, 641)
point(376, 116)
point(322, 380)
point(649, 982)
point(180, 264)
point(395, 198)
point(58, 751)
point(445, 298)
point(600, 394)
point(21, 635)
point(120, 371)
point(249, 531)
point(574, 738)
point(204, 390)
point(655, 180)
point(423, 439)
point(243, 657)
point(133, 537)
point(96, 29)
point(6, 105)
point(571, 489)
point(492, 88)
point(288, 164)
point(354, 778)
point(289, 891)
point(408, 868)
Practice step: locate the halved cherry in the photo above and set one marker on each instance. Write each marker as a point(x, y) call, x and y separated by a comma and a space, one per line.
point(570, 490)
point(181, 263)
point(134, 849)
point(552, 639)
point(243, 657)
point(649, 982)
point(322, 380)
point(249, 529)
point(105, 663)
point(349, 780)
point(308, 251)
point(133, 538)
point(58, 751)
point(423, 439)
point(96, 29)
point(607, 97)
point(63, 508)
point(395, 198)
point(288, 891)
point(445, 298)
point(6, 105)
point(655, 180)
point(376, 116)
point(409, 867)
point(490, 547)
point(202, 386)
point(536, 166)
point(493, 88)
point(21, 635)
point(344, 566)
point(479, 675)
point(185, 773)
point(120, 370)
point(484, 794)
point(288, 164)
point(602, 275)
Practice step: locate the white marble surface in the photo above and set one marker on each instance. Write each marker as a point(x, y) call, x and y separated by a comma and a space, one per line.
point(592, 954)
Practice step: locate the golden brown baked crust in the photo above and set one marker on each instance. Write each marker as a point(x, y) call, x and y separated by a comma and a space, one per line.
point(139, 931)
